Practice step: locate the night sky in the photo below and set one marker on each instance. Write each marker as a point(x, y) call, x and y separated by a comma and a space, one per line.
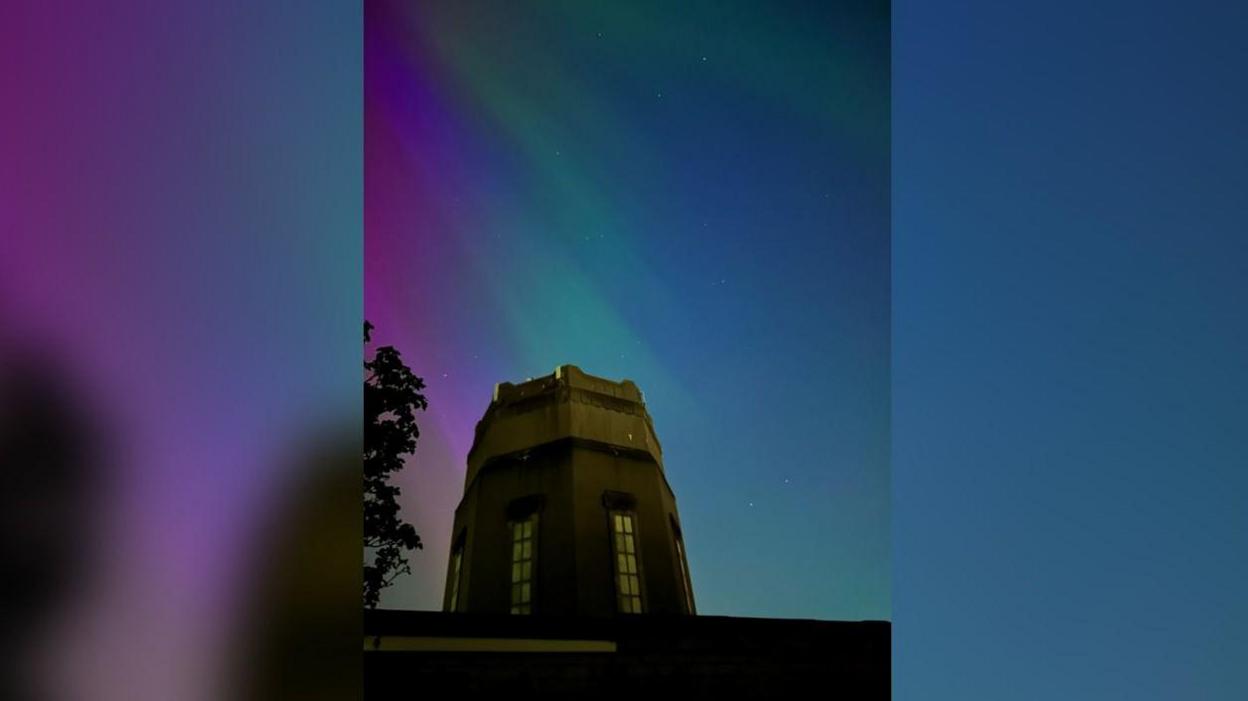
point(694, 197)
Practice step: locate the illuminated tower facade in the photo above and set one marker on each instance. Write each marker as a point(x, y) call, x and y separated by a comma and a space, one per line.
point(566, 510)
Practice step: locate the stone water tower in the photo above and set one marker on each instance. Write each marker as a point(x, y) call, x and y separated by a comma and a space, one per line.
point(566, 510)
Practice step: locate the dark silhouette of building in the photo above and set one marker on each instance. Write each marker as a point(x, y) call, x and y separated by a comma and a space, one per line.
point(567, 575)
point(430, 653)
point(566, 510)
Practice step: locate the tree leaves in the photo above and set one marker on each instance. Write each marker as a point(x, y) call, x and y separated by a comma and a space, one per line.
point(392, 396)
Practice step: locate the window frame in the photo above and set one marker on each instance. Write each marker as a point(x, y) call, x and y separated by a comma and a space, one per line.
point(518, 559)
point(454, 593)
point(457, 574)
point(683, 562)
point(616, 538)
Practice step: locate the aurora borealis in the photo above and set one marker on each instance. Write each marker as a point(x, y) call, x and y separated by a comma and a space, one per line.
point(694, 199)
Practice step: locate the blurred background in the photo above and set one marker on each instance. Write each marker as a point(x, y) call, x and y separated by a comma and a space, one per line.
point(180, 315)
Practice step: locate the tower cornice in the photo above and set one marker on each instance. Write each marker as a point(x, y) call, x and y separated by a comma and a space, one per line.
point(568, 403)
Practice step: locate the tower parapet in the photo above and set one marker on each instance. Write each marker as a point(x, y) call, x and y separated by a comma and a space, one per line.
point(569, 403)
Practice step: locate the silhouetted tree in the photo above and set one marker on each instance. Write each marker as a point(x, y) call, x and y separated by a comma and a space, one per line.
point(391, 398)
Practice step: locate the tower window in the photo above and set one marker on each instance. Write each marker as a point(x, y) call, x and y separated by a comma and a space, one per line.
point(683, 562)
point(684, 573)
point(523, 552)
point(627, 577)
point(457, 564)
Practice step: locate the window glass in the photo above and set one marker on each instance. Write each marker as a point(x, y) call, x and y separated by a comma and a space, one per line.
point(457, 563)
point(523, 535)
point(627, 576)
point(684, 574)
